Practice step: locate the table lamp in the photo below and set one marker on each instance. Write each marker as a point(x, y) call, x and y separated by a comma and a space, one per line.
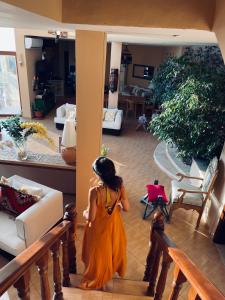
point(69, 142)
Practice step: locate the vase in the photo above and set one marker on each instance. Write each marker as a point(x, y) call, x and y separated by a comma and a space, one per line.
point(21, 151)
point(69, 155)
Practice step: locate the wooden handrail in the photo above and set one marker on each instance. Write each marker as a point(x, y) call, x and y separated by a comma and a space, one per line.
point(199, 282)
point(16, 272)
point(185, 270)
point(19, 265)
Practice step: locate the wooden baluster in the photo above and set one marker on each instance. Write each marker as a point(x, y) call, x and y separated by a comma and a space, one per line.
point(70, 215)
point(153, 258)
point(42, 265)
point(167, 260)
point(58, 295)
point(154, 273)
point(66, 277)
point(178, 280)
point(150, 259)
point(192, 294)
point(23, 286)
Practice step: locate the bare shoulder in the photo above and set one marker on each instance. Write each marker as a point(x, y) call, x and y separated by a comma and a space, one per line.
point(94, 190)
point(122, 187)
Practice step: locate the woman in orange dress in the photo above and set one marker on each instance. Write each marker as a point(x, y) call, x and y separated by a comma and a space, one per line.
point(104, 243)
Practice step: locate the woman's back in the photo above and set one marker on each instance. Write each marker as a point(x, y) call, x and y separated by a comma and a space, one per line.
point(104, 244)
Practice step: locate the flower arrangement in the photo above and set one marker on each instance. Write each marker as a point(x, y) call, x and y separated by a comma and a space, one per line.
point(19, 131)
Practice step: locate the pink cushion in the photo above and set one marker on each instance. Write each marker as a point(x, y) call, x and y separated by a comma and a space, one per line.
point(155, 190)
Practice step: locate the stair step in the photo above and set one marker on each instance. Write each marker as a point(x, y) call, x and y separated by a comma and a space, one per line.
point(121, 289)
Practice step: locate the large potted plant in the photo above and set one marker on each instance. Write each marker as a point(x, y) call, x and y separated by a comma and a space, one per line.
point(191, 92)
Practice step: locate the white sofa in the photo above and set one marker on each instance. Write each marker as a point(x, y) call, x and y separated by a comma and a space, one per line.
point(113, 126)
point(18, 233)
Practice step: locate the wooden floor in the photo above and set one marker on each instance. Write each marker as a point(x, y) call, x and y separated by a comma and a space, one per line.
point(133, 155)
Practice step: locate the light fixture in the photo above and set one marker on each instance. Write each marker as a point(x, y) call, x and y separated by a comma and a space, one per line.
point(69, 142)
point(126, 57)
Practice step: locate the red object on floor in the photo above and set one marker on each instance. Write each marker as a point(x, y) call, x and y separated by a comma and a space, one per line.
point(154, 191)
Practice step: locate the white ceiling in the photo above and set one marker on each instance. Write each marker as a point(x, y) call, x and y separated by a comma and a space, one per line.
point(11, 16)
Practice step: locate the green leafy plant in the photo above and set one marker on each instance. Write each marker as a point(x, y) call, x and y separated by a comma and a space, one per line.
point(104, 150)
point(191, 91)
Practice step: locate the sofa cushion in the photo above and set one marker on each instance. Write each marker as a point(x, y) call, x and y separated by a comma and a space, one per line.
point(9, 240)
point(116, 125)
point(14, 201)
point(34, 191)
point(110, 115)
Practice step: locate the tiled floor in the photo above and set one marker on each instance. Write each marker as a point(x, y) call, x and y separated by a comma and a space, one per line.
point(133, 155)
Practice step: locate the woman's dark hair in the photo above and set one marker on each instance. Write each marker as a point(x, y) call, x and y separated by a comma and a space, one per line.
point(105, 169)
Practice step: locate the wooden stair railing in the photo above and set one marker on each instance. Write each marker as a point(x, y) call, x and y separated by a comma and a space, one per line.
point(186, 270)
point(160, 244)
point(17, 272)
point(162, 248)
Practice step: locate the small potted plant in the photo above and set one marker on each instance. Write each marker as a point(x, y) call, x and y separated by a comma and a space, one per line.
point(104, 150)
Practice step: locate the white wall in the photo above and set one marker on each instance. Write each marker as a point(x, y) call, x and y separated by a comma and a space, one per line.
point(7, 39)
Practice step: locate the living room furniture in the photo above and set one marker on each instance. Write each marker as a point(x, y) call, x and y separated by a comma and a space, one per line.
point(188, 196)
point(47, 169)
point(18, 233)
point(113, 126)
point(135, 91)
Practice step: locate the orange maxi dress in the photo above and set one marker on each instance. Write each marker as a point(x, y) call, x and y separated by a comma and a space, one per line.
point(104, 247)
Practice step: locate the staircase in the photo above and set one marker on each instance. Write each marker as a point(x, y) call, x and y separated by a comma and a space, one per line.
point(120, 289)
point(162, 255)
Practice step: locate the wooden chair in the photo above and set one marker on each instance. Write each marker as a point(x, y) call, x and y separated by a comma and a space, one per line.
point(187, 196)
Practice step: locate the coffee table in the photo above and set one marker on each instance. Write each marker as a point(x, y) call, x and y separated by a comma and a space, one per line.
point(47, 169)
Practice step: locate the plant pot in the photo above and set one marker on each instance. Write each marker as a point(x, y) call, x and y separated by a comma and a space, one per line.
point(69, 155)
point(38, 114)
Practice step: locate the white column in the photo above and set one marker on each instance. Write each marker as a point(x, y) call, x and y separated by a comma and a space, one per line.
point(115, 62)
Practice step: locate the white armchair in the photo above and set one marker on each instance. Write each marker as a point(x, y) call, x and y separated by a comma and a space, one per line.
point(187, 196)
point(18, 233)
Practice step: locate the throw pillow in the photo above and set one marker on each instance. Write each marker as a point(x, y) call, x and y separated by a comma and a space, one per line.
point(14, 201)
point(110, 115)
point(34, 191)
point(5, 181)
